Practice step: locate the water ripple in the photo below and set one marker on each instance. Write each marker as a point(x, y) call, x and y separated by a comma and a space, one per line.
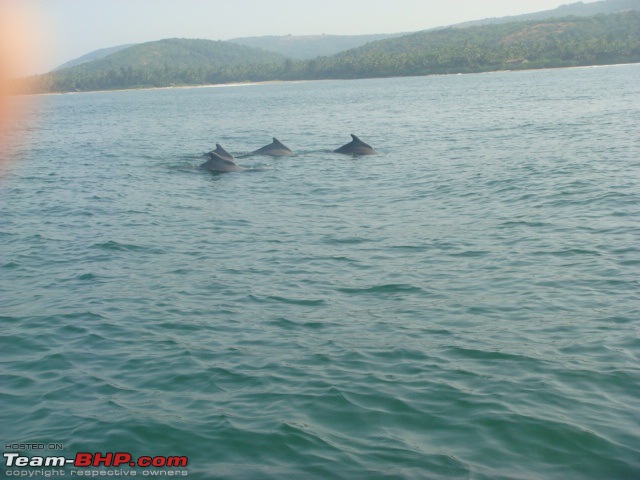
point(463, 306)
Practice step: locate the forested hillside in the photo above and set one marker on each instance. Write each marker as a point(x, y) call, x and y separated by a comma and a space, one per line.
point(305, 47)
point(569, 41)
point(156, 64)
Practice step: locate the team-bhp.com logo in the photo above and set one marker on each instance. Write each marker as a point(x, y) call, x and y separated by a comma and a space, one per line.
point(87, 460)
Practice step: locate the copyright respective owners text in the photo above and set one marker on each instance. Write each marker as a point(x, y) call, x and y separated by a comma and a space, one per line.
point(50, 460)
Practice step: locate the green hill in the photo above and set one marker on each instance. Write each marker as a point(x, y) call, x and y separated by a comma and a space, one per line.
point(306, 47)
point(161, 63)
point(303, 47)
point(182, 53)
point(91, 56)
point(563, 42)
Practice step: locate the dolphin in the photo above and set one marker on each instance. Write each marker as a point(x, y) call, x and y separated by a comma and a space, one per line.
point(275, 149)
point(218, 163)
point(221, 152)
point(356, 147)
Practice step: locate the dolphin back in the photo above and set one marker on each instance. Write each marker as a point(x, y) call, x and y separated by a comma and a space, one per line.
point(216, 163)
point(356, 147)
point(276, 149)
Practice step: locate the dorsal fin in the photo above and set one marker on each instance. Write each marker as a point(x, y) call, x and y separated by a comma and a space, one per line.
point(276, 149)
point(356, 147)
point(222, 152)
point(358, 141)
point(280, 144)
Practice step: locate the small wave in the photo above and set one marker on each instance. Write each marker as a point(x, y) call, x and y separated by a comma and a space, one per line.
point(523, 223)
point(287, 324)
point(85, 315)
point(389, 288)
point(568, 252)
point(409, 248)
point(112, 245)
point(474, 353)
point(87, 276)
point(347, 241)
point(532, 436)
point(290, 301)
point(630, 263)
point(469, 253)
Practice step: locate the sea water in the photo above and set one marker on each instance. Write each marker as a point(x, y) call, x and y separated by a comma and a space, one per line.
point(465, 305)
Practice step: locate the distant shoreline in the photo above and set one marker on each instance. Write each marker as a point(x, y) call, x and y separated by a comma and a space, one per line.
point(176, 87)
point(268, 82)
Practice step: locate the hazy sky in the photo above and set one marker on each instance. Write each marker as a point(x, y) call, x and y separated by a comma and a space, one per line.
point(67, 29)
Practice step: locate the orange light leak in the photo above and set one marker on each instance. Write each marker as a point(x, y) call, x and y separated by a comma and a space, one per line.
point(20, 39)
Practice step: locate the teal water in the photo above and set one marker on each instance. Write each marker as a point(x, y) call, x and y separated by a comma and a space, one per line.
point(464, 306)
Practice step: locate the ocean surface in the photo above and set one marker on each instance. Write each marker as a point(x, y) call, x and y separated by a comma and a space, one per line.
point(465, 305)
